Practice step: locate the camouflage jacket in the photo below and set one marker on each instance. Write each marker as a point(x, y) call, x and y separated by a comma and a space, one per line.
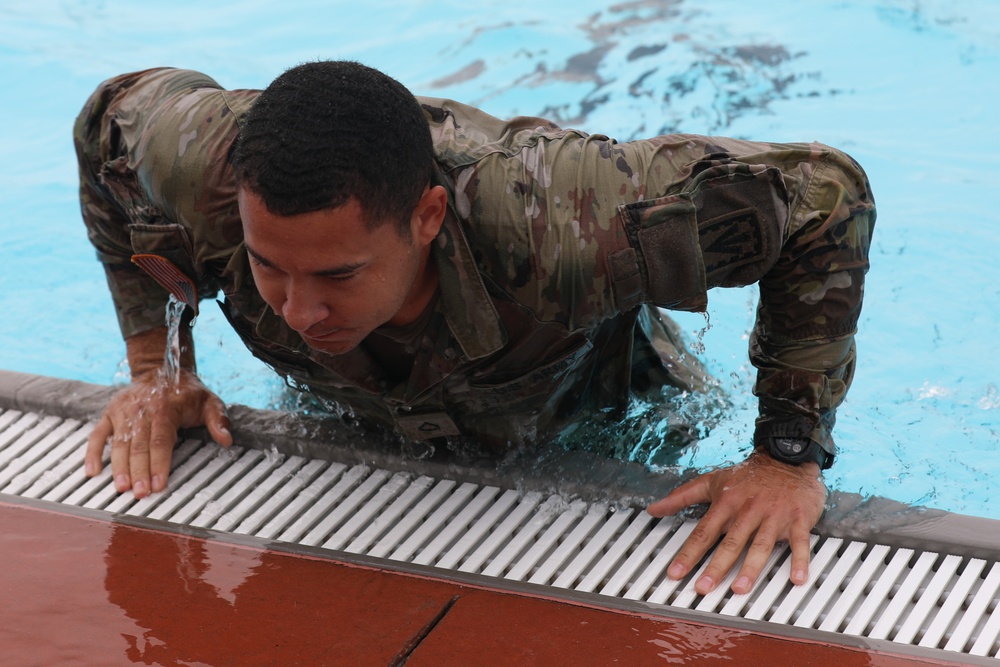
point(557, 251)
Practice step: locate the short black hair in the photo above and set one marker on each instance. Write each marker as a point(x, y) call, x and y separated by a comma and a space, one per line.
point(328, 130)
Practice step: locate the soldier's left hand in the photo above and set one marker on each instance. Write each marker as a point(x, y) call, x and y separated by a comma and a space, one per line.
point(756, 503)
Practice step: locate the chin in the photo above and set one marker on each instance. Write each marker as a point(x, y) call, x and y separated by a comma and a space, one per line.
point(333, 346)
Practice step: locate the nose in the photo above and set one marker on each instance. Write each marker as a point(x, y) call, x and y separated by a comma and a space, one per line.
point(303, 307)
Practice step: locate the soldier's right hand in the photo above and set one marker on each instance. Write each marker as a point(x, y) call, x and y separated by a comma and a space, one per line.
point(141, 422)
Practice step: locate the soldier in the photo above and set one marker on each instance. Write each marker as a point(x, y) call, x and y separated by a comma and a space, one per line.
point(444, 272)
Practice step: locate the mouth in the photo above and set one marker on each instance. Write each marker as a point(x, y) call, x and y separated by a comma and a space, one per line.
point(327, 336)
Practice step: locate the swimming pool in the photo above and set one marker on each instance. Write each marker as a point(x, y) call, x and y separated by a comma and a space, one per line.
point(907, 87)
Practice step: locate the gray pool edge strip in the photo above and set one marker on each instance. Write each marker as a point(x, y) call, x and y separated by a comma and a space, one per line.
point(570, 474)
point(779, 631)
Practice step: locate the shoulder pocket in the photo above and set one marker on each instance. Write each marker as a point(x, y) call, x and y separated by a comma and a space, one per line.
point(663, 233)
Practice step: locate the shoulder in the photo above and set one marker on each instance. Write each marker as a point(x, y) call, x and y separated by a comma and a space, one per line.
point(463, 134)
point(179, 127)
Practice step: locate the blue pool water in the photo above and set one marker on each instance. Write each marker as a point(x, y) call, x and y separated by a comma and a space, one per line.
point(909, 87)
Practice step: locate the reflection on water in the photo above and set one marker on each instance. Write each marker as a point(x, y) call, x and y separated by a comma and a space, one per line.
point(695, 643)
point(217, 600)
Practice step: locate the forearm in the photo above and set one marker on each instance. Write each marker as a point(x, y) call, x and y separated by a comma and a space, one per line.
point(146, 351)
point(810, 302)
point(800, 386)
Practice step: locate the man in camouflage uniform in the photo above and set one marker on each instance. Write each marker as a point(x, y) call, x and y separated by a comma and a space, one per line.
point(520, 294)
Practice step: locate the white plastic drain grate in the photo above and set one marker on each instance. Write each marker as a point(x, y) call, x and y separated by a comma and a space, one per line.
point(918, 598)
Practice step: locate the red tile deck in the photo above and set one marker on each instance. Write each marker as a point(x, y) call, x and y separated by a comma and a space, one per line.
point(79, 590)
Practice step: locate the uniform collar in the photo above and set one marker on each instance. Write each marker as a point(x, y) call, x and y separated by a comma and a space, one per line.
point(468, 309)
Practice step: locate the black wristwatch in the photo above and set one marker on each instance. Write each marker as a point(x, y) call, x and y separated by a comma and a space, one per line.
point(797, 451)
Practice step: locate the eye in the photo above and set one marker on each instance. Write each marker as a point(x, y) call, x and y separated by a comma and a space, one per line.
point(341, 278)
point(264, 270)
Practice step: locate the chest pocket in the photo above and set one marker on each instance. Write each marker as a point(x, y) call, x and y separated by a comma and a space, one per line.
point(539, 389)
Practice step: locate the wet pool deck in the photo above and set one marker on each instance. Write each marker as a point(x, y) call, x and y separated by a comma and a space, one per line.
point(80, 589)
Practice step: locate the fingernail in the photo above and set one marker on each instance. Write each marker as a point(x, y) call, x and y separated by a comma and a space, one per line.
point(139, 488)
point(742, 585)
point(705, 583)
point(90, 469)
point(676, 571)
point(799, 576)
point(157, 483)
point(121, 482)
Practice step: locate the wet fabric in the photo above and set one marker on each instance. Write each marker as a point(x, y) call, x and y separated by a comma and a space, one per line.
point(558, 251)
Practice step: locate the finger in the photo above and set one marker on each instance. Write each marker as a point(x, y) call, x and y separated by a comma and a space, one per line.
point(139, 459)
point(217, 421)
point(162, 438)
point(95, 446)
point(690, 493)
point(701, 539)
point(756, 559)
point(727, 553)
point(120, 458)
point(801, 544)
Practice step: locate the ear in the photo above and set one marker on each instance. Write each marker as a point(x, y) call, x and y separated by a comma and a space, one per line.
point(428, 215)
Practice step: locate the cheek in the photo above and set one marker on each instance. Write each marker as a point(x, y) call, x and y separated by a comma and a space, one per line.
point(270, 288)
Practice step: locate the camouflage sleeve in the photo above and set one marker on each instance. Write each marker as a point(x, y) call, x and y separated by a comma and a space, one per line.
point(152, 150)
point(794, 218)
point(810, 300)
point(139, 301)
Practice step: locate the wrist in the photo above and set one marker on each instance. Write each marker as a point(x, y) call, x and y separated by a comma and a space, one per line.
point(146, 352)
point(796, 451)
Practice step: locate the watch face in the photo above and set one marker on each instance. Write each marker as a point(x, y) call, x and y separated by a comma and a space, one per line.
point(799, 450)
point(792, 447)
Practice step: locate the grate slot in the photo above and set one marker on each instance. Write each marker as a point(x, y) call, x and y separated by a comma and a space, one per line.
point(658, 565)
point(547, 542)
point(928, 600)
point(345, 508)
point(51, 468)
point(795, 597)
point(429, 530)
point(220, 494)
point(949, 613)
point(282, 501)
point(903, 598)
point(640, 555)
point(399, 532)
point(503, 531)
point(324, 503)
point(266, 482)
point(386, 492)
point(963, 633)
point(34, 446)
point(986, 642)
point(592, 549)
point(570, 546)
point(379, 524)
point(859, 581)
point(829, 590)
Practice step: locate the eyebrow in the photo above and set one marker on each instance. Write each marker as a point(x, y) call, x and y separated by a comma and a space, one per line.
point(331, 272)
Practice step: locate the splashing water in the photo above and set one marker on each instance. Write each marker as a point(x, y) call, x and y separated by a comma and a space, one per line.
point(172, 353)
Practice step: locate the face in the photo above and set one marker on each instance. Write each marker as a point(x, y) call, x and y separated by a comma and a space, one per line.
point(331, 278)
